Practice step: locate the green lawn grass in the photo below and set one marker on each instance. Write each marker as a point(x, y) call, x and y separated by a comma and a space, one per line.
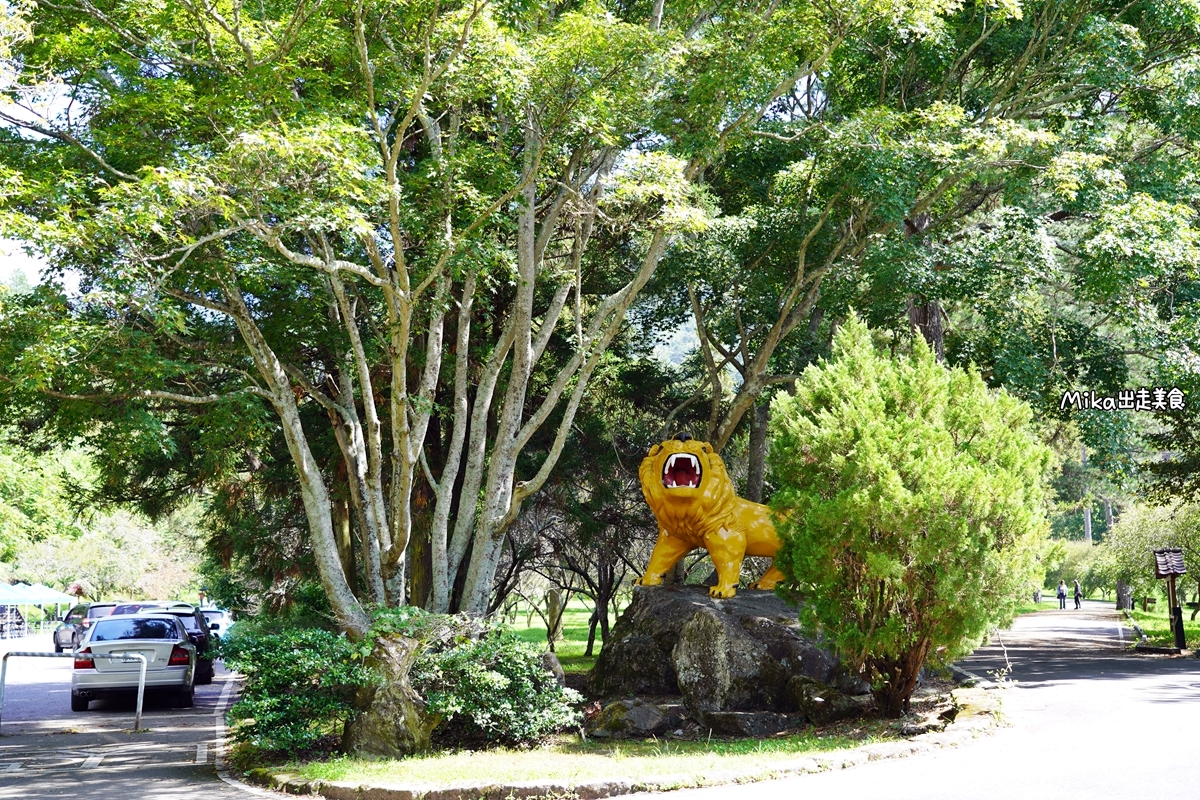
point(570, 649)
point(1028, 606)
point(1157, 626)
point(569, 759)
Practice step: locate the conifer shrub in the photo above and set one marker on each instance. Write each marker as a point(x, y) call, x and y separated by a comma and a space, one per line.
point(912, 502)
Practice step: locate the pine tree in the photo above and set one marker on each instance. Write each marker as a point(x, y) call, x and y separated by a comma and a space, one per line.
point(913, 499)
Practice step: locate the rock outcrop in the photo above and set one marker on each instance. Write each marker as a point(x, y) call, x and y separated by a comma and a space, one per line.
point(822, 704)
point(635, 718)
point(734, 655)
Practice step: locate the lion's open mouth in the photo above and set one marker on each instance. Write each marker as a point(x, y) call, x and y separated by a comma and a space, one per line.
point(682, 470)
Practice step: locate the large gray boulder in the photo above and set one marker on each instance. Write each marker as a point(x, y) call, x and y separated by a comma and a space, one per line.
point(721, 655)
point(636, 658)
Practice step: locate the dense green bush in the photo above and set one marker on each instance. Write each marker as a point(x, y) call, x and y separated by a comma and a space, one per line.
point(300, 684)
point(496, 689)
point(487, 684)
point(914, 502)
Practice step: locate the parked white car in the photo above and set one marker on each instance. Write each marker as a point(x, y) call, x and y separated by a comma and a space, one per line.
point(161, 638)
point(219, 620)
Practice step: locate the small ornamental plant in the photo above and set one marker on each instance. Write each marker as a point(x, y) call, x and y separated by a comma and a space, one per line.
point(911, 500)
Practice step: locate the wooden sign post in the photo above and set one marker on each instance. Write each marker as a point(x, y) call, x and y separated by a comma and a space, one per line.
point(1168, 563)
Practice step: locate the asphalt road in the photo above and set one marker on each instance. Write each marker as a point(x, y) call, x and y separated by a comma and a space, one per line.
point(1084, 719)
point(46, 750)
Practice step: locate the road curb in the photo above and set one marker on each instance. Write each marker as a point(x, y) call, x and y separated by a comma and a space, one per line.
point(1138, 628)
point(976, 713)
point(968, 679)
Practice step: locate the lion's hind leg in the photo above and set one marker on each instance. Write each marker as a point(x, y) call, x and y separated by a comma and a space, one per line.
point(771, 577)
point(667, 550)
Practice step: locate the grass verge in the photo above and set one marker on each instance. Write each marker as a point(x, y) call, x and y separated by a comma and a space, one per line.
point(1157, 626)
point(571, 648)
point(569, 759)
point(1028, 606)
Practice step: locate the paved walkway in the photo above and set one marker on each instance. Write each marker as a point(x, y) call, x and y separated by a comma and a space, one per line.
point(48, 751)
point(1085, 719)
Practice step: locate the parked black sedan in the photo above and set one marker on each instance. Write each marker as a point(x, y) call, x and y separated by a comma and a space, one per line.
point(197, 630)
point(68, 635)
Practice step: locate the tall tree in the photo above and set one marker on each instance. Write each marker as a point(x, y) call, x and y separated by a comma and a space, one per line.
point(352, 206)
point(1014, 183)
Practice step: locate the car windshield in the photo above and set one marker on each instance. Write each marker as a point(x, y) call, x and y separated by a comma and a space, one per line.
point(112, 630)
point(190, 623)
point(214, 616)
point(99, 611)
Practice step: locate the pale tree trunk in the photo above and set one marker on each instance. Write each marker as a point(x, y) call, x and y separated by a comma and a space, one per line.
point(1087, 506)
point(676, 575)
point(555, 608)
point(345, 539)
point(1124, 595)
point(440, 576)
point(314, 494)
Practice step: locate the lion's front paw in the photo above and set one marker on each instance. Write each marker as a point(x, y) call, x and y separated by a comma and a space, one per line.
point(649, 580)
point(723, 593)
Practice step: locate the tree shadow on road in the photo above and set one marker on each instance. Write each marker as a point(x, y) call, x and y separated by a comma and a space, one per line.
point(1048, 648)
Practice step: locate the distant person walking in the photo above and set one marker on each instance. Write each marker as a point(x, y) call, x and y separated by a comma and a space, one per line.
point(1078, 595)
point(1062, 594)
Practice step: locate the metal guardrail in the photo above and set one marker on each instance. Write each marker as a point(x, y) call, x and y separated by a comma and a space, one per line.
point(137, 720)
point(19, 630)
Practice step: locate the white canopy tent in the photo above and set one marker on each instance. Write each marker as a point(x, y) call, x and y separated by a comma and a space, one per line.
point(22, 594)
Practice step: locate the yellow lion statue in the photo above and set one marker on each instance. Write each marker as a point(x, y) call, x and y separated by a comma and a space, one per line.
point(688, 489)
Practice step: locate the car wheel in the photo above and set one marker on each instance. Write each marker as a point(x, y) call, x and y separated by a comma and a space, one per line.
point(58, 648)
point(78, 703)
point(186, 698)
point(205, 673)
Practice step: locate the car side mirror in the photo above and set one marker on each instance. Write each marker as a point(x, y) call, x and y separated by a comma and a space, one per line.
point(216, 626)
